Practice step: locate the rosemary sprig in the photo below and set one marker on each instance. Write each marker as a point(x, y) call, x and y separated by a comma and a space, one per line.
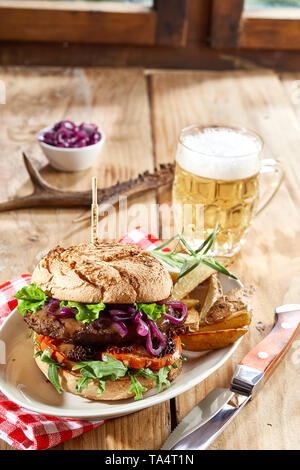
point(208, 241)
point(164, 244)
point(186, 245)
point(185, 263)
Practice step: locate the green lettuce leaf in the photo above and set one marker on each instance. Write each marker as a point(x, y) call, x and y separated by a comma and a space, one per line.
point(153, 311)
point(86, 312)
point(30, 299)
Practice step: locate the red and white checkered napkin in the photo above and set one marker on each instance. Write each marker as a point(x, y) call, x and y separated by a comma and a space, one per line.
point(27, 430)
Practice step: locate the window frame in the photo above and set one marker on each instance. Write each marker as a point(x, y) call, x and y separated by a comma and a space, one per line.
point(88, 22)
point(234, 27)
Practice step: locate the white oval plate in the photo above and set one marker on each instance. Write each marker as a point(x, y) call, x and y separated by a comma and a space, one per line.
point(23, 383)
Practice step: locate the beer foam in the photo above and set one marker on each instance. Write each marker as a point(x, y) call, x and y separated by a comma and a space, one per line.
point(219, 153)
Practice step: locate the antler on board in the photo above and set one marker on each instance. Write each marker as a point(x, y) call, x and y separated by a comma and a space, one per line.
point(45, 195)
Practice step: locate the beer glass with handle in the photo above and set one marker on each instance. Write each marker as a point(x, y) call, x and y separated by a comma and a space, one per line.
point(217, 180)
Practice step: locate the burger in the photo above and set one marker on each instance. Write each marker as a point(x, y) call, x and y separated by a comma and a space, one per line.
point(102, 320)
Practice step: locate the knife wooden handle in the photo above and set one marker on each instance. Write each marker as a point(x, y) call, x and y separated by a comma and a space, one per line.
point(266, 355)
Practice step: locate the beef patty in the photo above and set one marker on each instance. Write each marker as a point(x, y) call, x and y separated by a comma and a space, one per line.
point(80, 352)
point(101, 332)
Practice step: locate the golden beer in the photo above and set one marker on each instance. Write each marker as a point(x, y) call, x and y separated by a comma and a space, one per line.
point(216, 181)
point(230, 203)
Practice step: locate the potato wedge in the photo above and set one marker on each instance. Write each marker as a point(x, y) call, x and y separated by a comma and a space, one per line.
point(191, 280)
point(208, 340)
point(192, 320)
point(174, 276)
point(234, 320)
point(218, 306)
point(214, 293)
point(190, 302)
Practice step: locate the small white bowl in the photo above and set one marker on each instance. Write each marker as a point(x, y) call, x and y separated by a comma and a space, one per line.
point(71, 159)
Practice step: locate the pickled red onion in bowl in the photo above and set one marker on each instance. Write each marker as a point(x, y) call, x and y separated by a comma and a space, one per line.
point(69, 147)
point(66, 134)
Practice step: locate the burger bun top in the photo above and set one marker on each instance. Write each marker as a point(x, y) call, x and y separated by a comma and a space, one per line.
point(107, 272)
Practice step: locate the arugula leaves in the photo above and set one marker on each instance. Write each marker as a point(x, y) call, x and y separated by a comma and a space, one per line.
point(112, 369)
point(53, 367)
point(147, 373)
point(30, 298)
point(86, 312)
point(136, 387)
point(82, 383)
point(160, 379)
point(153, 311)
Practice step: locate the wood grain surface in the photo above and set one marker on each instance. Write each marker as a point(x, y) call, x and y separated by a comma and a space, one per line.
point(142, 115)
point(270, 258)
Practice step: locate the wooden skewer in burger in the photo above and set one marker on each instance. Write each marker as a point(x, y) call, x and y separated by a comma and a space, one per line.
point(94, 212)
point(103, 327)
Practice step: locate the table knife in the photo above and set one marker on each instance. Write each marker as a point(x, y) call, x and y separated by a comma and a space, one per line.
point(200, 427)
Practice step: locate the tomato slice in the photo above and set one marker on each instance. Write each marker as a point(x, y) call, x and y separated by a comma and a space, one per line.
point(54, 348)
point(137, 358)
point(140, 359)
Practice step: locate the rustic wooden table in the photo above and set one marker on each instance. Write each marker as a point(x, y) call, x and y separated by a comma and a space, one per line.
point(142, 114)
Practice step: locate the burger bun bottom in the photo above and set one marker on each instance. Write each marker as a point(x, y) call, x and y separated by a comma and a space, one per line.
point(117, 390)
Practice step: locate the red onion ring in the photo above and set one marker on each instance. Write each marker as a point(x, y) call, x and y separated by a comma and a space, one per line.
point(121, 327)
point(178, 305)
point(66, 311)
point(66, 134)
point(120, 315)
point(88, 128)
point(52, 307)
point(131, 310)
point(142, 328)
point(162, 338)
